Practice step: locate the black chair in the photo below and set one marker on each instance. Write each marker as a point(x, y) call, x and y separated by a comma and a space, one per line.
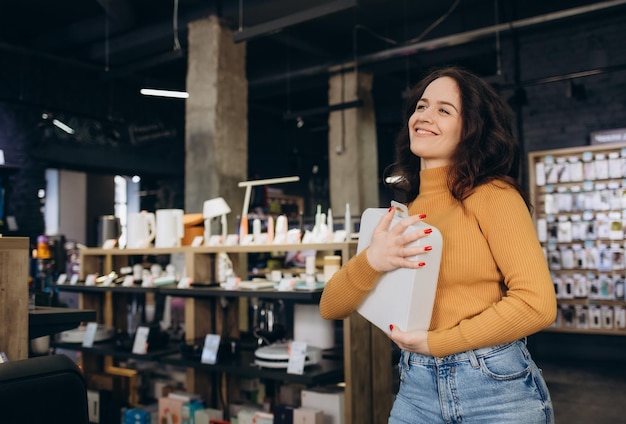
point(45, 389)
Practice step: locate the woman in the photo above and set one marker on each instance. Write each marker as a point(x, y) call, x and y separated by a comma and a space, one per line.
point(457, 158)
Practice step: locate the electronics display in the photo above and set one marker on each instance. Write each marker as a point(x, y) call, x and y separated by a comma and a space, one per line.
point(579, 199)
point(276, 355)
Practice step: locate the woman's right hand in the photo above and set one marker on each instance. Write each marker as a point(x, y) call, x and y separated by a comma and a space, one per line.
point(389, 248)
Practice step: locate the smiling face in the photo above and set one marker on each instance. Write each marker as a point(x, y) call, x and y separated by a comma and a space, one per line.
point(435, 125)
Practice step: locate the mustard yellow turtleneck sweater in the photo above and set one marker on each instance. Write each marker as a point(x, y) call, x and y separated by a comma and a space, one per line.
point(494, 284)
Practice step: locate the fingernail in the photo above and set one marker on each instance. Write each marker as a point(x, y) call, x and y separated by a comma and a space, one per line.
point(421, 263)
point(390, 327)
point(390, 208)
point(422, 216)
point(428, 248)
point(428, 230)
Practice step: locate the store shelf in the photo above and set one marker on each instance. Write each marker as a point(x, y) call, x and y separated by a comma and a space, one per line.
point(110, 349)
point(43, 321)
point(82, 288)
point(325, 372)
point(202, 303)
point(579, 212)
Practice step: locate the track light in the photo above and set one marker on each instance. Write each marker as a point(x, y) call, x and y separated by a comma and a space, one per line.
point(164, 93)
point(59, 124)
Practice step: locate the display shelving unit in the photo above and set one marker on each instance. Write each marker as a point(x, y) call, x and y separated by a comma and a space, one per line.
point(365, 378)
point(579, 200)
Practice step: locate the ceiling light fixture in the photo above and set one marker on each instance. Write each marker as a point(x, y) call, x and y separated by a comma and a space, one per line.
point(63, 126)
point(59, 124)
point(164, 93)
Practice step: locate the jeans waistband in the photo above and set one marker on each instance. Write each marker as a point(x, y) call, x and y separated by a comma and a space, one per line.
point(469, 355)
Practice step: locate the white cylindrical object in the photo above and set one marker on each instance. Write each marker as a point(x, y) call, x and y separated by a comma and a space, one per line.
point(310, 265)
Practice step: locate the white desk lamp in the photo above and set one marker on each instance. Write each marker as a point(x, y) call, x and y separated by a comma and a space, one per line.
point(246, 200)
point(212, 209)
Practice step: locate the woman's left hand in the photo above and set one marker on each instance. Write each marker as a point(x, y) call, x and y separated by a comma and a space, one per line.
point(412, 341)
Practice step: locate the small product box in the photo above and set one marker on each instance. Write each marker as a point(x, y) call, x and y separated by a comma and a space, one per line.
point(404, 296)
point(170, 410)
point(136, 416)
point(329, 399)
point(304, 415)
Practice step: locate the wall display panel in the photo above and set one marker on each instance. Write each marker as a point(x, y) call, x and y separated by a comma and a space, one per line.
point(579, 199)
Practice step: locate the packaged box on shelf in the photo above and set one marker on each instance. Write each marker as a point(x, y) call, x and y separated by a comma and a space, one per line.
point(263, 418)
point(304, 415)
point(136, 416)
point(329, 399)
point(208, 415)
point(189, 411)
point(170, 410)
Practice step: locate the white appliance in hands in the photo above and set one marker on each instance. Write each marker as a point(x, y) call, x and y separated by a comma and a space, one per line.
point(403, 297)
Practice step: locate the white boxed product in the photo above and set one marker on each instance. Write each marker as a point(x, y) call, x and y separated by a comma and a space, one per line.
point(330, 400)
point(308, 416)
point(204, 416)
point(310, 327)
point(403, 297)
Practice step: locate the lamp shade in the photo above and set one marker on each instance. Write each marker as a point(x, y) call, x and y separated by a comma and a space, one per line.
point(215, 207)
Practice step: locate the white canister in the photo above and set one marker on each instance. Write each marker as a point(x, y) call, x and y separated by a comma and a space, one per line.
point(170, 227)
point(331, 265)
point(140, 230)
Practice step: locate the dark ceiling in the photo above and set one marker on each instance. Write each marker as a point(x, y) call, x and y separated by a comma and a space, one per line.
point(291, 45)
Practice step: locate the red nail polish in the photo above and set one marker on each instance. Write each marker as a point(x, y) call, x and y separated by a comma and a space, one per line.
point(390, 327)
point(390, 208)
point(428, 248)
point(422, 216)
point(428, 230)
point(422, 263)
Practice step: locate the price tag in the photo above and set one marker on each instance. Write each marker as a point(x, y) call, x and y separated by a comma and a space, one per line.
point(90, 334)
point(140, 344)
point(62, 279)
point(90, 280)
point(209, 351)
point(297, 357)
point(197, 241)
point(74, 279)
point(286, 284)
point(184, 283)
point(232, 283)
point(109, 244)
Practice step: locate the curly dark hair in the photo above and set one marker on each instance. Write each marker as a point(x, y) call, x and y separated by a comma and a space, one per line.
point(487, 151)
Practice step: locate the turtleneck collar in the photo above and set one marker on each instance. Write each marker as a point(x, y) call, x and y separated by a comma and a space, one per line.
point(434, 179)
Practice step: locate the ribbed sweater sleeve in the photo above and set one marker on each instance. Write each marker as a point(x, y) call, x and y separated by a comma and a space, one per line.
point(345, 291)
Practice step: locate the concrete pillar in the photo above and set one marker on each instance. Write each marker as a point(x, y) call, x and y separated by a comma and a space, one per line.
point(352, 145)
point(216, 125)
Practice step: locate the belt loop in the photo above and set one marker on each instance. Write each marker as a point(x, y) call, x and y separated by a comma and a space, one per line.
point(473, 359)
point(406, 355)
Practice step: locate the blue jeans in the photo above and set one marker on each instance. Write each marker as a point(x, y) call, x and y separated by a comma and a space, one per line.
point(499, 384)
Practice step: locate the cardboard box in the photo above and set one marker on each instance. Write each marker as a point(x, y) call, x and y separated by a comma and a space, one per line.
point(208, 415)
point(170, 410)
point(329, 399)
point(304, 415)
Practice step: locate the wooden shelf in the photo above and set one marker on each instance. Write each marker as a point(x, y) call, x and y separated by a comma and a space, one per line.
point(44, 321)
point(364, 365)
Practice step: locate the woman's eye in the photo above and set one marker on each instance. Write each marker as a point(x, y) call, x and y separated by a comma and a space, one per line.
point(420, 107)
point(444, 111)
